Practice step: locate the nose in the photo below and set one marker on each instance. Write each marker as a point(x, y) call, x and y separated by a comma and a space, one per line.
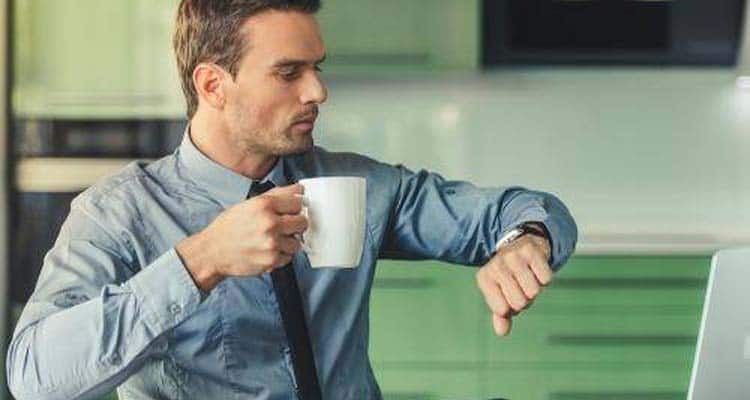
point(314, 91)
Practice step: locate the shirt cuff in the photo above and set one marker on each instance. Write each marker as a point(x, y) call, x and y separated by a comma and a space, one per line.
point(167, 291)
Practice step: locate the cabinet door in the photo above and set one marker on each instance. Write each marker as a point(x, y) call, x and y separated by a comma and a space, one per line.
point(548, 381)
point(94, 58)
point(621, 337)
point(424, 314)
point(400, 35)
point(428, 384)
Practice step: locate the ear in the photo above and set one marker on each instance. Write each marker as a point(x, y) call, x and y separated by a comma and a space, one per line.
point(209, 80)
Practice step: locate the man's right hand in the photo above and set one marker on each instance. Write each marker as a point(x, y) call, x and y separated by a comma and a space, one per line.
point(248, 239)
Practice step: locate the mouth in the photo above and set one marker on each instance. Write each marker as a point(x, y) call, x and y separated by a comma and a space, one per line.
point(306, 123)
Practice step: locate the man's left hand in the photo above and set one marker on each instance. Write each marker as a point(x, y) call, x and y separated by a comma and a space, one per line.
point(513, 278)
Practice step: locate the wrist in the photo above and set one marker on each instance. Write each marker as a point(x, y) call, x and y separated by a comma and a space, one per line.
point(537, 230)
point(194, 253)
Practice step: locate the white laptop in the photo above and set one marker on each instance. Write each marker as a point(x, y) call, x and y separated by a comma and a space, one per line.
point(721, 368)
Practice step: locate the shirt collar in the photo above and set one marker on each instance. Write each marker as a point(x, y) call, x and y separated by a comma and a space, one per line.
point(219, 181)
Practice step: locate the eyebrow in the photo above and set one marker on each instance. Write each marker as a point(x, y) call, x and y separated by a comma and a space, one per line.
point(291, 62)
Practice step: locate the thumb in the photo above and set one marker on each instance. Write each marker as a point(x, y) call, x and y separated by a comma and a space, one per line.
point(502, 325)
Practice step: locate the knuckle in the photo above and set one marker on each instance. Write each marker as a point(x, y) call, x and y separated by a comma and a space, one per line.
point(519, 304)
point(272, 244)
point(270, 225)
point(263, 202)
point(503, 309)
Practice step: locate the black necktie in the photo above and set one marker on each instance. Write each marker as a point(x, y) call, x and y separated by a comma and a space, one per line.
point(293, 317)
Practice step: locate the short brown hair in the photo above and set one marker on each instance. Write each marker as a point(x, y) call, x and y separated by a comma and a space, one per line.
point(211, 31)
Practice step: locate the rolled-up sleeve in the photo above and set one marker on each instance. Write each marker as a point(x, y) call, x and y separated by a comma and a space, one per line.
point(458, 222)
point(94, 318)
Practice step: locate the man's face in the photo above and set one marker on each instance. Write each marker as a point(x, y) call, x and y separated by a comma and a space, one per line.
point(272, 104)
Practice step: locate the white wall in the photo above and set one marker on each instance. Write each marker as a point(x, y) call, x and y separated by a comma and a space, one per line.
point(649, 160)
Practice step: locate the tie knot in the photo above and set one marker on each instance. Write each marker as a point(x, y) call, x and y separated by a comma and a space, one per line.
point(259, 188)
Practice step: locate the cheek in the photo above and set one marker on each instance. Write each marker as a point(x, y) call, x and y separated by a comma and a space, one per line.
point(266, 107)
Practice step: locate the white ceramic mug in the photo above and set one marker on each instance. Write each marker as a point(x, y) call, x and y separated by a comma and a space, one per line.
point(335, 208)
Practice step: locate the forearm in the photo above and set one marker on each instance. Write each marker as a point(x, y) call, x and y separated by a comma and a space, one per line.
point(458, 222)
point(90, 348)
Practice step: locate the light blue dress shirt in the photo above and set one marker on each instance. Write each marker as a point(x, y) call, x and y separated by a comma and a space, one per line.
point(114, 306)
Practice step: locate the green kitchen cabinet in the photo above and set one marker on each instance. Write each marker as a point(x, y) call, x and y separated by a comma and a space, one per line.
point(94, 59)
point(563, 381)
point(428, 384)
point(425, 312)
point(394, 35)
point(105, 59)
point(607, 327)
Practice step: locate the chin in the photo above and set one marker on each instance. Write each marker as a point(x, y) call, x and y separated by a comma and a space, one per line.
point(302, 145)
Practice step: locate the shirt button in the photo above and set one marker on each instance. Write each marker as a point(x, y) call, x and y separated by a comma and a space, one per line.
point(175, 309)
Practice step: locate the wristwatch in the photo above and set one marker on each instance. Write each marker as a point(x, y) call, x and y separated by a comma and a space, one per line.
point(526, 228)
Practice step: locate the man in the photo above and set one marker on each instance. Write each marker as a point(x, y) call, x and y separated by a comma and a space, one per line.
point(165, 282)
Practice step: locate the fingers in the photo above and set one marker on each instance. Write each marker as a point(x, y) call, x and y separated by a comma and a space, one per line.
point(526, 280)
point(288, 190)
point(493, 296)
point(501, 273)
point(540, 268)
point(512, 280)
point(291, 224)
point(286, 199)
point(501, 325)
point(287, 245)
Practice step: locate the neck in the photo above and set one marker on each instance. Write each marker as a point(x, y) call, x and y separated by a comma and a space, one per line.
point(213, 139)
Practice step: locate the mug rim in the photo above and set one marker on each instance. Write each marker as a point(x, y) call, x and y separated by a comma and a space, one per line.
point(339, 178)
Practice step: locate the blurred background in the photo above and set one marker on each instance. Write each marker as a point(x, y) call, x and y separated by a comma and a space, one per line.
point(635, 113)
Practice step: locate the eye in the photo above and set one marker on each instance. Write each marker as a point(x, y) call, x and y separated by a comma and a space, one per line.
point(289, 73)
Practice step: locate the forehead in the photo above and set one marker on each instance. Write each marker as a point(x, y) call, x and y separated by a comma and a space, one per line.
point(273, 35)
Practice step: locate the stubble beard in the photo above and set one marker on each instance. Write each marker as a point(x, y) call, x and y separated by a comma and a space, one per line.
point(279, 144)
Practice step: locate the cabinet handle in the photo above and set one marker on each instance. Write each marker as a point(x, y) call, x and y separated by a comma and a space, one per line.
point(403, 283)
point(617, 395)
point(630, 283)
point(621, 340)
point(408, 396)
point(380, 59)
point(109, 99)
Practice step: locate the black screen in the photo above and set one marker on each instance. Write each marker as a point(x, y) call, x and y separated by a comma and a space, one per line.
point(611, 31)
